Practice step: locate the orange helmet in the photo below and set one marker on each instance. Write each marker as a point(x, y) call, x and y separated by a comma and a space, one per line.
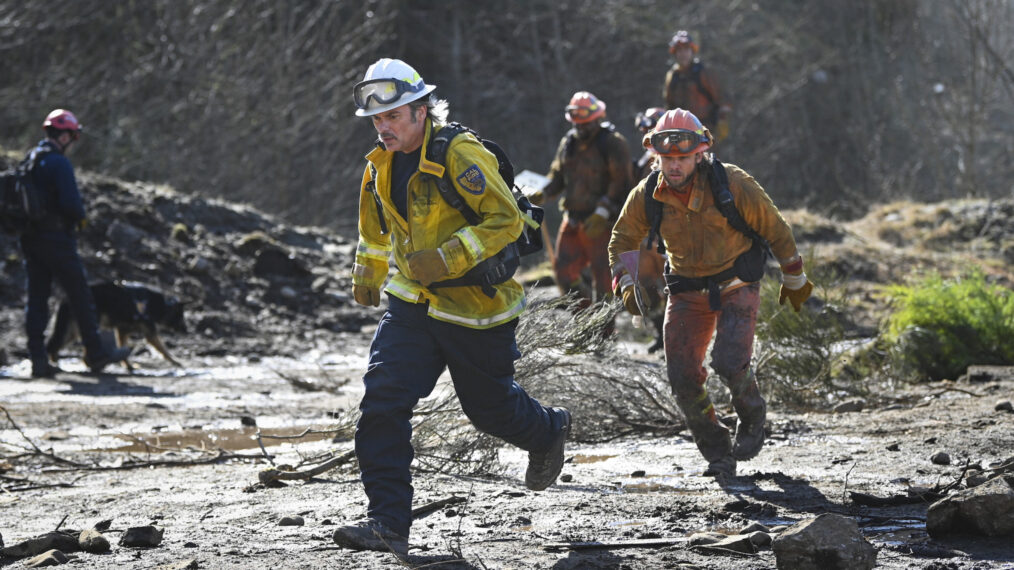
point(681, 37)
point(584, 108)
point(678, 133)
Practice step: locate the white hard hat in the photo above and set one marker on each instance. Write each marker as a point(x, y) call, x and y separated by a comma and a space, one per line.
point(389, 83)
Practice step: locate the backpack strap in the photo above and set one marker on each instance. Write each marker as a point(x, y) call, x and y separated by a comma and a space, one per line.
point(601, 140)
point(653, 210)
point(372, 187)
point(695, 75)
point(726, 204)
point(436, 152)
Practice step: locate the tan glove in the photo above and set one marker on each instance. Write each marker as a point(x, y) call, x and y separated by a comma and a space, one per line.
point(630, 301)
point(795, 296)
point(427, 265)
point(722, 130)
point(537, 197)
point(366, 296)
point(597, 223)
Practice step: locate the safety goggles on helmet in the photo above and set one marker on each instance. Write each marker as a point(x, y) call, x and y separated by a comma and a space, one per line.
point(673, 141)
point(577, 113)
point(644, 122)
point(383, 91)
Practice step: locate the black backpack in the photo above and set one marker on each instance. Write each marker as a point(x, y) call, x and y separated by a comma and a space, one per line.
point(501, 266)
point(22, 203)
point(749, 266)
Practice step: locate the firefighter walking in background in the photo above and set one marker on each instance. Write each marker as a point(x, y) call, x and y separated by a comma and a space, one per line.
point(592, 170)
point(715, 264)
point(691, 86)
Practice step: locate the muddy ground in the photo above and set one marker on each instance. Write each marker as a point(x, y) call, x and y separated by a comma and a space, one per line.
point(276, 347)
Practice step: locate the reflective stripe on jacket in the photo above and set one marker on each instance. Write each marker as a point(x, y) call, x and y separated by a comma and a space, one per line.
point(699, 240)
point(432, 222)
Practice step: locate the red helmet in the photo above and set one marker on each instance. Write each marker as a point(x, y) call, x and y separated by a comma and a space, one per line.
point(645, 121)
point(681, 37)
point(62, 119)
point(678, 133)
point(584, 108)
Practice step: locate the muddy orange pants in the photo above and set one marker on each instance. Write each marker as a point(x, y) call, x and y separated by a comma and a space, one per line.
point(575, 251)
point(689, 326)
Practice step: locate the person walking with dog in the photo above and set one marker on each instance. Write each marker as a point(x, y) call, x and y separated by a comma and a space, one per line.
point(593, 172)
point(427, 327)
point(691, 85)
point(49, 247)
point(716, 252)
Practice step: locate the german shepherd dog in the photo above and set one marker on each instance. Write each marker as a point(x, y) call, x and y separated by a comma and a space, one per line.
point(126, 308)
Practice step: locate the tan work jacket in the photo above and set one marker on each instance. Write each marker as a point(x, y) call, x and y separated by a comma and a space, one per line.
point(699, 241)
point(588, 177)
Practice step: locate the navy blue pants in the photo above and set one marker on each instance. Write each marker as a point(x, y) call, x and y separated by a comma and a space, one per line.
point(409, 352)
point(53, 256)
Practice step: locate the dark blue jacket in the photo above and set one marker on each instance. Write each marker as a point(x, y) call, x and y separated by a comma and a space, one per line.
point(54, 174)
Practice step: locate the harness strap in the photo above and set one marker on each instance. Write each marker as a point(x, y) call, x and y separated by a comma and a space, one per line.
point(678, 284)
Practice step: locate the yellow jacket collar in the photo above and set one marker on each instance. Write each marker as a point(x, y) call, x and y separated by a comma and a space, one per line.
point(380, 154)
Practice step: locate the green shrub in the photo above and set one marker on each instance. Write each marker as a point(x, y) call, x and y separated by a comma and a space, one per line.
point(939, 327)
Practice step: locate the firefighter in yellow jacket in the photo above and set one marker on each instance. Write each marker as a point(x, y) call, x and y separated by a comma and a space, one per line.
point(431, 325)
point(712, 282)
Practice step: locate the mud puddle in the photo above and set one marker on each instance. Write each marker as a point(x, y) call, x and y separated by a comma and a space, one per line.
point(224, 439)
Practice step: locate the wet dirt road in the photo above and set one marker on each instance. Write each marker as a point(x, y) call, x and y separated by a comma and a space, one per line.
point(645, 496)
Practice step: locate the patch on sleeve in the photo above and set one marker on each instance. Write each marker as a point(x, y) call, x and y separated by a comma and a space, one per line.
point(472, 180)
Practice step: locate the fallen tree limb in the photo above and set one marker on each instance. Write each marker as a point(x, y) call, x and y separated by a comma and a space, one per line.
point(435, 505)
point(271, 475)
point(38, 451)
point(596, 545)
point(221, 456)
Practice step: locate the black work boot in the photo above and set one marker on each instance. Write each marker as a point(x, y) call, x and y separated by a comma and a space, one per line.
point(44, 369)
point(545, 467)
point(722, 467)
point(115, 355)
point(752, 411)
point(371, 534)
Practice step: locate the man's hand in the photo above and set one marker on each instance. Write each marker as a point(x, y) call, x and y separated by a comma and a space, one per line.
point(597, 223)
point(630, 300)
point(795, 296)
point(427, 265)
point(536, 198)
point(366, 296)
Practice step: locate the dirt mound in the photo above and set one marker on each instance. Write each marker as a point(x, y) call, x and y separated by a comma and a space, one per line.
point(252, 283)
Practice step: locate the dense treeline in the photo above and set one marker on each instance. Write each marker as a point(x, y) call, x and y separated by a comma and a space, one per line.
point(836, 104)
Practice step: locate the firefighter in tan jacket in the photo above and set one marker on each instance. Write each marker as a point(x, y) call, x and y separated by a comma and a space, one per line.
point(712, 281)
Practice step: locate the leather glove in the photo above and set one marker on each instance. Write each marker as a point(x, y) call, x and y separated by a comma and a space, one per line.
point(796, 296)
point(427, 265)
point(722, 130)
point(597, 223)
point(366, 296)
point(630, 301)
point(537, 198)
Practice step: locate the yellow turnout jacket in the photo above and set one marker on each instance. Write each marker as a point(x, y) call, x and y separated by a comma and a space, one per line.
point(431, 223)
